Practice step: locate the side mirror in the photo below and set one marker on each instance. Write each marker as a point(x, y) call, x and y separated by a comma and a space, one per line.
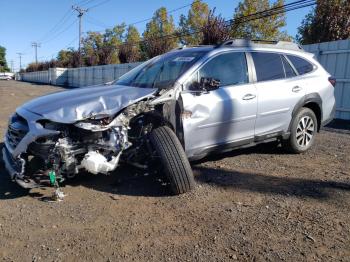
point(209, 83)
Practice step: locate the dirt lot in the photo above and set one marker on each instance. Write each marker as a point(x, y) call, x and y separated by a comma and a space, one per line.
point(255, 204)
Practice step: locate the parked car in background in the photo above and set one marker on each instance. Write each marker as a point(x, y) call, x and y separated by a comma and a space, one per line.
point(176, 107)
point(6, 76)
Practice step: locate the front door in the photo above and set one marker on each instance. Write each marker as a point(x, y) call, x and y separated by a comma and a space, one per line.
point(222, 116)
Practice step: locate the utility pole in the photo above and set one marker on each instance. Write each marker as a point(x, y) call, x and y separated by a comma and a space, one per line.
point(11, 62)
point(36, 45)
point(81, 12)
point(20, 60)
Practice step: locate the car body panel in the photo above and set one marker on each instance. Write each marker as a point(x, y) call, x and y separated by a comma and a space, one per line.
point(218, 117)
point(275, 111)
point(82, 103)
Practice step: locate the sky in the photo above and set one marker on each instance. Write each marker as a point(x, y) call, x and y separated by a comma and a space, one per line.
point(54, 23)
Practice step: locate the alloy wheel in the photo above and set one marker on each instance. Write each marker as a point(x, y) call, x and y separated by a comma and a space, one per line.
point(305, 131)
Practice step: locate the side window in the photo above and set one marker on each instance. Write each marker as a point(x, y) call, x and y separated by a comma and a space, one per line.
point(268, 66)
point(229, 68)
point(287, 68)
point(301, 65)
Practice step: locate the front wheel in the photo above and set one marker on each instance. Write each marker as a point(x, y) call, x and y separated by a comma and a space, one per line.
point(303, 131)
point(173, 159)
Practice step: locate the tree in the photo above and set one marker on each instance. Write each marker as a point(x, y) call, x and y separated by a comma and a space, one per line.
point(156, 36)
point(41, 66)
point(329, 21)
point(68, 58)
point(189, 26)
point(3, 63)
point(92, 43)
point(267, 28)
point(102, 49)
point(215, 30)
point(129, 51)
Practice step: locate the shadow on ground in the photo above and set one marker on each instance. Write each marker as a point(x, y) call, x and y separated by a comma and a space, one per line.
point(126, 180)
point(338, 126)
point(134, 182)
point(266, 184)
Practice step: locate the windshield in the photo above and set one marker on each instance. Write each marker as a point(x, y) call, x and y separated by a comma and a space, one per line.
point(161, 72)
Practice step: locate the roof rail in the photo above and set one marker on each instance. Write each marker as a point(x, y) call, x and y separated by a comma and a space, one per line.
point(261, 43)
point(188, 46)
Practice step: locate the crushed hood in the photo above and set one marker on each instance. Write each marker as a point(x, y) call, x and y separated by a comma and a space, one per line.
point(82, 103)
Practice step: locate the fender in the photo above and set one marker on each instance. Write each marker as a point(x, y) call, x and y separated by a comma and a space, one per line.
point(309, 98)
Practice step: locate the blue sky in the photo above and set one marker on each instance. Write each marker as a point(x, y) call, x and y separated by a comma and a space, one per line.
point(25, 21)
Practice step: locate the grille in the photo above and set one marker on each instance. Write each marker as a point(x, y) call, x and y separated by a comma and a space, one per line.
point(17, 129)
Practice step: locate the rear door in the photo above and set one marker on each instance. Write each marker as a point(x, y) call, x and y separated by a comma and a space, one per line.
point(224, 115)
point(278, 92)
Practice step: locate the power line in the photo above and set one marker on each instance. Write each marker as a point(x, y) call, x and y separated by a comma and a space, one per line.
point(232, 22)
point(228, 23)
point(101, 3)
point(96, 22)
point(66, 46)
point(169, 12)
point(84, 2)
point(59, 24)
point(61, 32)
point(263, 14)
point(286, 7)
point(148, 19)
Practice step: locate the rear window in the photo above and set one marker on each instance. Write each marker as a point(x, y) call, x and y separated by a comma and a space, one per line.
point(287, 68)
point(301, 65)
point(268, 66)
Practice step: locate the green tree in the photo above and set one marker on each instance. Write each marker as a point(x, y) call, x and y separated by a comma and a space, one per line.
point(329, 21)
point(195, 20)
point(267, 28)
point(130, 51)
point(3, 63)
point(68, 58)
point(156, 36)
point(102, 49)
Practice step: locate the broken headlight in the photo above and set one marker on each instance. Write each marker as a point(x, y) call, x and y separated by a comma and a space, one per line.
point(95, 124)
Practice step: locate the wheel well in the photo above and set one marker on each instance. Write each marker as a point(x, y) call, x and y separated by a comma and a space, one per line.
point(158, 120)
point(317, 110)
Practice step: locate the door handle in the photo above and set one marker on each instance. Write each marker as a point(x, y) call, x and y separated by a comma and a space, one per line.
point(296, 89)
point(248, 97)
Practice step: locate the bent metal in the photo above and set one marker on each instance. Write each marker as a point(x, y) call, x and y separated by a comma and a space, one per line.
point(171, 109)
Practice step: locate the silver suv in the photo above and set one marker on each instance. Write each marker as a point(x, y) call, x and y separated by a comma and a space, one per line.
point(171, 109)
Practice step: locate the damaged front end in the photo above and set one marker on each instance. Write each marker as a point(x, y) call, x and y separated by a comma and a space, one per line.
point(36, 147)
point(136, 119)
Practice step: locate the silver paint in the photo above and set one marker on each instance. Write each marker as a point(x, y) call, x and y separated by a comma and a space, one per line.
point(82, 103)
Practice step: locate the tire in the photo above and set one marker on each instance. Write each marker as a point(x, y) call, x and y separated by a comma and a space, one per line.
point(302, 132)
point(173, 159)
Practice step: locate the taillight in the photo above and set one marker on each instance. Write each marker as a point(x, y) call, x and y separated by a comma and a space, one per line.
point(332, 80)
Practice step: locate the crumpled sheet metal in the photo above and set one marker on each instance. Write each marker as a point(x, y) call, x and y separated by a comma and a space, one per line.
point(82, 103)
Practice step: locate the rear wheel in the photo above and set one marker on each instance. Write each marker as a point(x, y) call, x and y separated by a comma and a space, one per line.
point(303, 131)
point(173, 159)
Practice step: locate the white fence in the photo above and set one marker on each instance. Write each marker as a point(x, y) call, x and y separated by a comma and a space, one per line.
point(78, 77)
point(335, 57)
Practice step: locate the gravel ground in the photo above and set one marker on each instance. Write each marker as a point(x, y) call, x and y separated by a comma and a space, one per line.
point(257, 204)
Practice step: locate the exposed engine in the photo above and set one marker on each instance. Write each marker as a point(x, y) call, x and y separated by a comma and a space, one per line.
point(95, 145)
